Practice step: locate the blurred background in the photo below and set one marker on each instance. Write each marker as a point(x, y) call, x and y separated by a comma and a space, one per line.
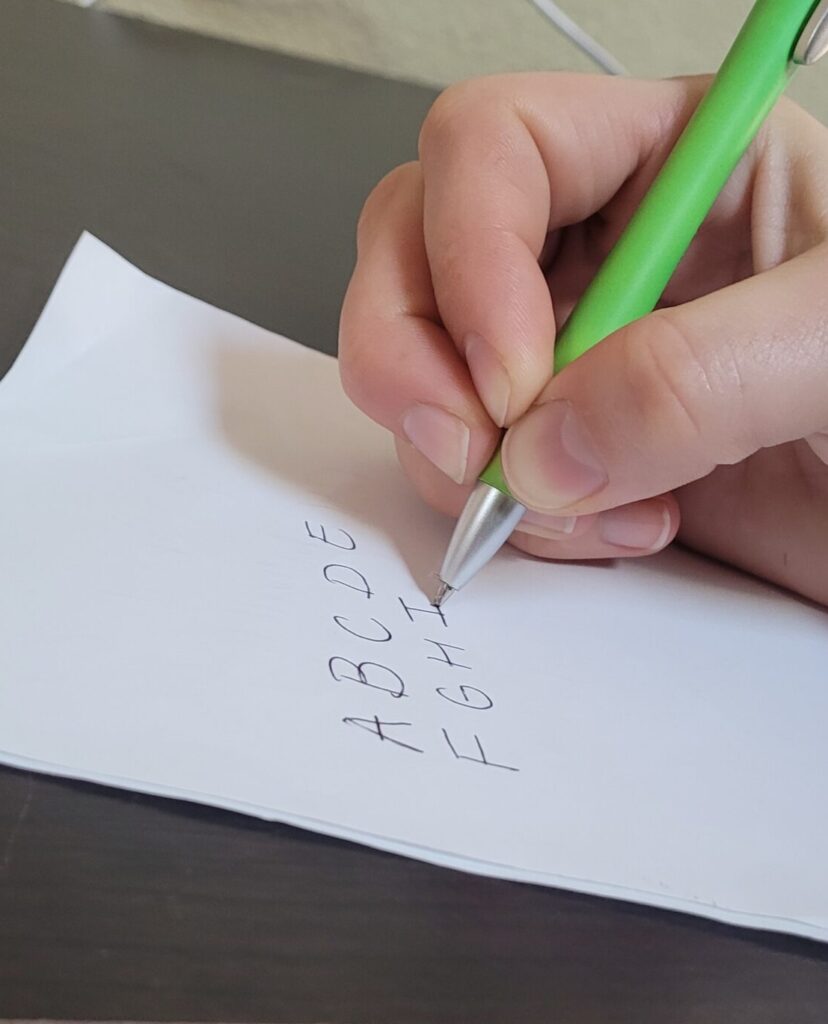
point(436, 42)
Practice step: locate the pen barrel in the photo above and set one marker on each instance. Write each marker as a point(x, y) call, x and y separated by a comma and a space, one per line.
point(636, 272)
point(632, 278)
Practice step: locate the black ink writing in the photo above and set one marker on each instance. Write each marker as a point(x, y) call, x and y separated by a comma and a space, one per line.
point(481, 759)
point(429, 671)
point(446, 659)
point(410, 611)
point(358, 582)
point(470, 697)
point(395, 689)
point(323, 536)
point(340, 620)
point(376, 727)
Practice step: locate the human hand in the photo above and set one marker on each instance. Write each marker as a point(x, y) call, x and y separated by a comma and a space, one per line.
point(707, 419)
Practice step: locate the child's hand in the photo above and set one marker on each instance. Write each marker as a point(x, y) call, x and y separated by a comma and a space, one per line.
point(708, 418)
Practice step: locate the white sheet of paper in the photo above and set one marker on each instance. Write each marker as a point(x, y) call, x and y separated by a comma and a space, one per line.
point(655, 730)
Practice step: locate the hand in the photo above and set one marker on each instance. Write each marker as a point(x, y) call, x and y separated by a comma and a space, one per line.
point(707, 419)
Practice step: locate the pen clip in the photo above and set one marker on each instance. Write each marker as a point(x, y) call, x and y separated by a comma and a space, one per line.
point(813, 42)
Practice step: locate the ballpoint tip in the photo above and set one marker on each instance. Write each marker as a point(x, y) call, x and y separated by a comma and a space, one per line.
point(443, 593)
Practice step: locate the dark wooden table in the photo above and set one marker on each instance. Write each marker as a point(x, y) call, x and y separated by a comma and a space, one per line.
point(238, 175)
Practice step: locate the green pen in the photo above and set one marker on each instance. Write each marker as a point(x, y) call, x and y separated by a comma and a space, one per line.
point(777, 36)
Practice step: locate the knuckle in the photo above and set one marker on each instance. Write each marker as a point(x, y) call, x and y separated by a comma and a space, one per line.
point(477, 120)
point(381, 197)
point(356, 367)
point(355, 384)
point(449, 117)
point(355, 352)
point(668, 380)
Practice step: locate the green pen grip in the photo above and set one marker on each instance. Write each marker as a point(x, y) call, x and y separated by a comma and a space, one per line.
point(634, 275)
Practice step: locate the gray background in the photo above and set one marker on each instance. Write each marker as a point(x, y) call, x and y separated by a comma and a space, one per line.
point(440, 41)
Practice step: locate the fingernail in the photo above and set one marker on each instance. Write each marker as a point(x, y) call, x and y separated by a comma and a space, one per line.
point(643, 527)
point(550, 527)
point(441, 437)
point(549, 459)
point(491, 381)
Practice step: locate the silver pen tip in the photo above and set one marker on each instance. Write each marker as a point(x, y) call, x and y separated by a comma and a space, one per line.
point(442, 594)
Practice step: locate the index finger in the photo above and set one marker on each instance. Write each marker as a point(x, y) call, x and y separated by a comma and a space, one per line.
point(505, 160)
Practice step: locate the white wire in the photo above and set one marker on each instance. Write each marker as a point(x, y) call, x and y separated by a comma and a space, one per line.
point(582, 39)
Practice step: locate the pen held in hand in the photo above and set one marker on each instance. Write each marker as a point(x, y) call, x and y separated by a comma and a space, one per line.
point(777, 36)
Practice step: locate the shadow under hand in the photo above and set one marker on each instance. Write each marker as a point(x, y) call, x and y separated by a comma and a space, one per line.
point(283, 409)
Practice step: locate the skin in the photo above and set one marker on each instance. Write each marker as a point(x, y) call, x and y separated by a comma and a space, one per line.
point(706, 421)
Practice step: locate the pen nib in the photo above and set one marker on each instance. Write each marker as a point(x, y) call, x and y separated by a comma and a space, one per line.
point(444, 592)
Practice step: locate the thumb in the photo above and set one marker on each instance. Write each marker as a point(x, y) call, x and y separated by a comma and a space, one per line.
point(667, 399)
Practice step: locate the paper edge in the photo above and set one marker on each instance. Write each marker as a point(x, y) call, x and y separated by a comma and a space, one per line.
point(438, 858)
